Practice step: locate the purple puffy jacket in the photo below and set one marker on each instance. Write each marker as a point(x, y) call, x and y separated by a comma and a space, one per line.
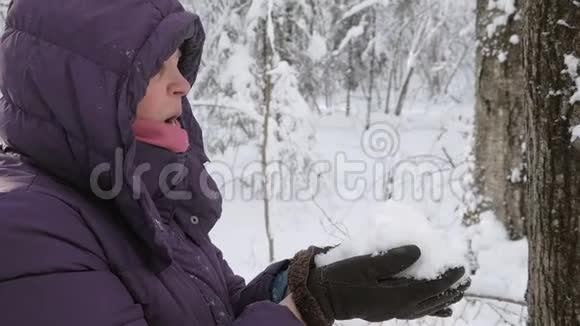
point(71, 75)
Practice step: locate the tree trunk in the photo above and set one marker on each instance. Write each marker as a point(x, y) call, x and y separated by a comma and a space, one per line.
point(551, 44)
point(349, 79)
point(371, 70)
point(499, 119)
point(389, 87)
point(403, 92)
point(266, 108)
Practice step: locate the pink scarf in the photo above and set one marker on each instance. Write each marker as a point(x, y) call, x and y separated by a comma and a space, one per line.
point(171, 137)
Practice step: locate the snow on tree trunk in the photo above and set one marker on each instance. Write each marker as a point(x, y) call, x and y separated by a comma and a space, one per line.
point(551, 46)
point(499, 118)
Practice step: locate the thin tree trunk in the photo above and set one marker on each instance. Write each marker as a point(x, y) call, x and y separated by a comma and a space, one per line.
point(466, 51)
point(372, 71)
point(434, 78)
point(393, 74)
point(349, 79)
point(403, 92)
point(267, 102)
point(389, 87)
point(377, 90)
point(500, 121)
point(421, 36)
point(326, 94)
point(552, 39)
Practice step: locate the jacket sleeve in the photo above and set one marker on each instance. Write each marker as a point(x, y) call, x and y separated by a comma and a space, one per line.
point(53, 271)
point(252, 303)
point(266, 314)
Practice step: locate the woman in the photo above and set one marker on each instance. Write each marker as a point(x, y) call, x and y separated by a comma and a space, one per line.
point(105, 203)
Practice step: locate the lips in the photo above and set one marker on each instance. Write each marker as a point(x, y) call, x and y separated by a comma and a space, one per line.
point(173, 121)
point(162, 134)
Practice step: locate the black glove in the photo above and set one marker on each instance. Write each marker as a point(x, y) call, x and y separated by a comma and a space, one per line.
point(368, 288)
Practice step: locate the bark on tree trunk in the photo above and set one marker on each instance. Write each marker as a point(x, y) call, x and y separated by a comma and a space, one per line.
point(500, 121)
point(551, 46)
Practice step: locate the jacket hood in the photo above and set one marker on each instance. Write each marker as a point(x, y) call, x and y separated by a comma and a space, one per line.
point(71, 76)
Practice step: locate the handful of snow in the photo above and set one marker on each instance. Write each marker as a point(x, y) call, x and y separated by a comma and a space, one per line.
point(393, 225)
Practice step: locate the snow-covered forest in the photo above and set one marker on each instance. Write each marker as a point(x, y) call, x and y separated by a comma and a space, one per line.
point(353, 121)
point(360, 109)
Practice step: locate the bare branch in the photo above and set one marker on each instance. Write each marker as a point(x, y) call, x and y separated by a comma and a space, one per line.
point(495, 298)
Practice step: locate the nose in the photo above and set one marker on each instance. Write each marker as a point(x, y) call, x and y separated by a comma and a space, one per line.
point(180, 86)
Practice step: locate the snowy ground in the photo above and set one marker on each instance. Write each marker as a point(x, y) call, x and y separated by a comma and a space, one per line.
point(426, 152)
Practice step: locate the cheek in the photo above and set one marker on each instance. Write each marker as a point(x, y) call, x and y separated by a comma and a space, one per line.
point(148, 108)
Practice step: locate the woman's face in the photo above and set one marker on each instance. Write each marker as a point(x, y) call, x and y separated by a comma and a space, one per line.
point(162, 101)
